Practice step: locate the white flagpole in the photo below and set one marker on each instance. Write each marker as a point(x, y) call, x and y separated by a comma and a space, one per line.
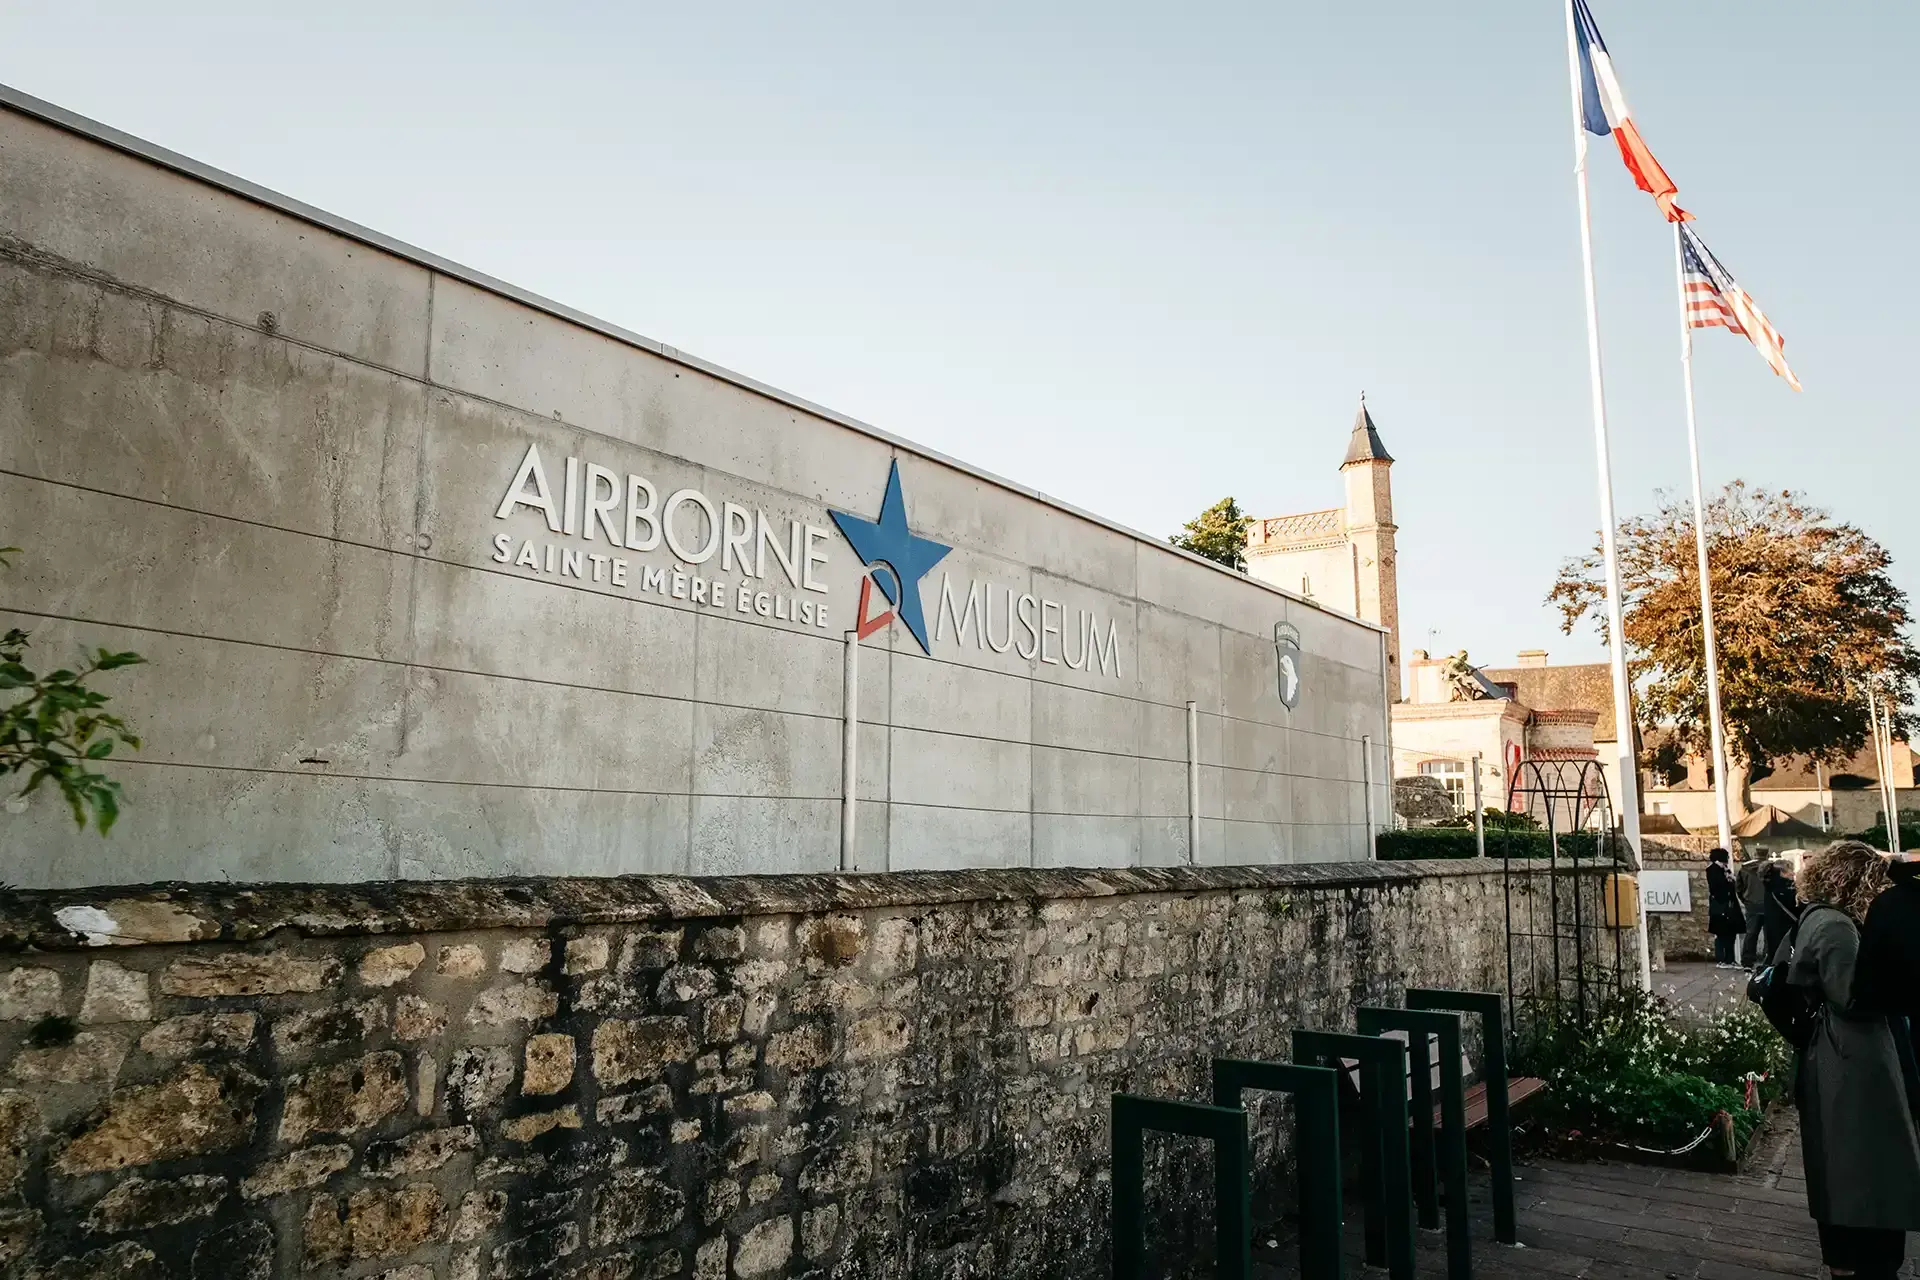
point(1622, 702)
point(1721, 808)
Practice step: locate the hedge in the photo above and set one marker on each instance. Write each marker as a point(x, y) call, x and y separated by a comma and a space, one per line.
point(1458, 842)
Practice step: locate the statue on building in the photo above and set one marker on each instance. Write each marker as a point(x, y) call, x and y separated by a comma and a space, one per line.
point(1464, 681)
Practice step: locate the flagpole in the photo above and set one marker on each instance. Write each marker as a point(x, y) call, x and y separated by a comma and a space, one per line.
point(1629, 781)
point(1720, 805)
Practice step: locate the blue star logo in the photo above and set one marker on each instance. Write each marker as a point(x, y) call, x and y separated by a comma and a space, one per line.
point(887, 541)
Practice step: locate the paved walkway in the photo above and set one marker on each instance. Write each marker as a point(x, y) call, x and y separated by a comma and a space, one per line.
point(1701, 987)
point(1632, 1222)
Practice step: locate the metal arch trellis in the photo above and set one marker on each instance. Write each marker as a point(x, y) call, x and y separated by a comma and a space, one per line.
point(1562, 825)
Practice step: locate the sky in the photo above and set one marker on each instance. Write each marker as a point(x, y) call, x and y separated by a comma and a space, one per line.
point(1136, 256)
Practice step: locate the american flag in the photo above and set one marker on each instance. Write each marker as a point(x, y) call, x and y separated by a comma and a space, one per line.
point(1713, 298)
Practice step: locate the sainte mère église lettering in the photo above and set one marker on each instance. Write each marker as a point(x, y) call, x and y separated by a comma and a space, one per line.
point(728, 557)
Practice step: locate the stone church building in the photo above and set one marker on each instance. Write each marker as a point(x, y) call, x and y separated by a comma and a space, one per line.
point(1342, 557)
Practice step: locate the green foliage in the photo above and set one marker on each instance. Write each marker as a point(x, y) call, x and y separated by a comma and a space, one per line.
point(1876, 835)
point(1639, 1073)
point(1219, 533)
point(55, 729)
point(1458, 842)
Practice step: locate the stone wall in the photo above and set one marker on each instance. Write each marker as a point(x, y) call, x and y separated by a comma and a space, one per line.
point(870, 1077)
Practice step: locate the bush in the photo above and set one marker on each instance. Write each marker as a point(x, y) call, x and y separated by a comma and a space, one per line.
point(1458, 842)
point(1638, 1073)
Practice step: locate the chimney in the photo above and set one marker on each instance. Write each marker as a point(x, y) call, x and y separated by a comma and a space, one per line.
point(1530, 658)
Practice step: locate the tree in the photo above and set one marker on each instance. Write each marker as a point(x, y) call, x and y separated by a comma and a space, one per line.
point(55, 731)
point(1219, 533)
point(1806, 618)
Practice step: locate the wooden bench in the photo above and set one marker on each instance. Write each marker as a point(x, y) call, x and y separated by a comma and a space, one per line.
point(1520, 1089)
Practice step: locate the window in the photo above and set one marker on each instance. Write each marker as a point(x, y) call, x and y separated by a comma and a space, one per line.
point(1452, 774)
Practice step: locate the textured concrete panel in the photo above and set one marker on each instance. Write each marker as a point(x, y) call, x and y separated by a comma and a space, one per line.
point(1179, 659)
point(138, 564)
point(1256, 797)
point(1085, 782)
point(1254, 844)
point(483, 621)
point(929, 694)
point(1061, 840)
point(1086, 719)
point(465, 728)
point(922, 838)
point(772, 753)
point(947, 769)
point(139, 225)
point(237, 706)
point(735, 834)
point(115, 391)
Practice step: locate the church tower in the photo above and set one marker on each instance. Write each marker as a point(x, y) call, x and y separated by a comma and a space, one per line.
point(1370, 528)
point(1342, 557)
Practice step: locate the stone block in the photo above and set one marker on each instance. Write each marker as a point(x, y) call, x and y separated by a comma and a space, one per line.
point(197, 1110)
point(138, 1204)
point(417, 1019)
point(388, 966)
point(344, 1098)
point(26, 994)
point(536, 1254)
point(764, 1249)
point(820, 1231)
point(300, 1171)
point(420, 1152)
point(462, 960)
point(372, 1224)
point(521, 1002)
point(525, 955)
point(720, 1018)
point(478, 1077)
point(328, 1027)
point(625, 1050)
point(123, 1261)
point(20, 1127)
point(479, 1213)
point(528, 1127)
point(115, 994)
point(635, 1204)
point(686, 982)
point(549, 1064)
point(19, 1232)
point(242, 1251)
point(586, 955)
point(241, 973)
point(88, 1058)
point(624, 1108)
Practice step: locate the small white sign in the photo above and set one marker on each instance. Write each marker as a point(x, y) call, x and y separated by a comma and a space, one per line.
point(1666, 891)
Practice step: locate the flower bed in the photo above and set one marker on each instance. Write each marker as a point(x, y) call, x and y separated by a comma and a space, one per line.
point(1640, 1081)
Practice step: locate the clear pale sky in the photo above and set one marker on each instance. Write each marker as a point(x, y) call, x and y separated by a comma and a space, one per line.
point(1136, 256)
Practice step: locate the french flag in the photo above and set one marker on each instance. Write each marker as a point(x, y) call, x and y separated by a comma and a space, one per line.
point(1603, 109)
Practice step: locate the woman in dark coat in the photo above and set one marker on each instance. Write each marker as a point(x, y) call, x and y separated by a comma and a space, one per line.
point(1890, 958)
point(1857, 1134)
point(1783, 904)
point(1724, 920)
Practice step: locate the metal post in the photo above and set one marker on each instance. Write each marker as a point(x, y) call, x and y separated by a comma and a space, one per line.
point(1479, 812)
point(1493, 1072)
point(1609, 534)
point(1366, 785)
point(1232, 1186)
point(1193, 783)
point(1316, 1111)
point(1386, 1162)
point(850, 756)
point(1424, 1029)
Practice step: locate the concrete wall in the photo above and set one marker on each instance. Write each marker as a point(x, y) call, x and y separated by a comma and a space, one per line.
point(270, 457)
point(890, 1077)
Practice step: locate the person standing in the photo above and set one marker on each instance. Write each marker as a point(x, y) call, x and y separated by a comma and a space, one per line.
point(1724, 920)
point(1781, 905)
point(1753, 898)
point(1890, 958)
point(1860, 1147)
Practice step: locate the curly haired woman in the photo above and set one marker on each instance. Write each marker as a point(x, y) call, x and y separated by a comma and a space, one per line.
point(1857, 1136)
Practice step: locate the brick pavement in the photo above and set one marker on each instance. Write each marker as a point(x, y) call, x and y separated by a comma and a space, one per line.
point(1631, 1222)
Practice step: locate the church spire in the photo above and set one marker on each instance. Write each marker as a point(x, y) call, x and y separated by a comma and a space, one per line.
point(1364, 445)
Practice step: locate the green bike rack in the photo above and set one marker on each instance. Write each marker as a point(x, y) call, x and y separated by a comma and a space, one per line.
point(1232, 1185)
point(1316, 1100)
point(1385, 1161)
point(1493, 1036)
point(1423, 1028)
